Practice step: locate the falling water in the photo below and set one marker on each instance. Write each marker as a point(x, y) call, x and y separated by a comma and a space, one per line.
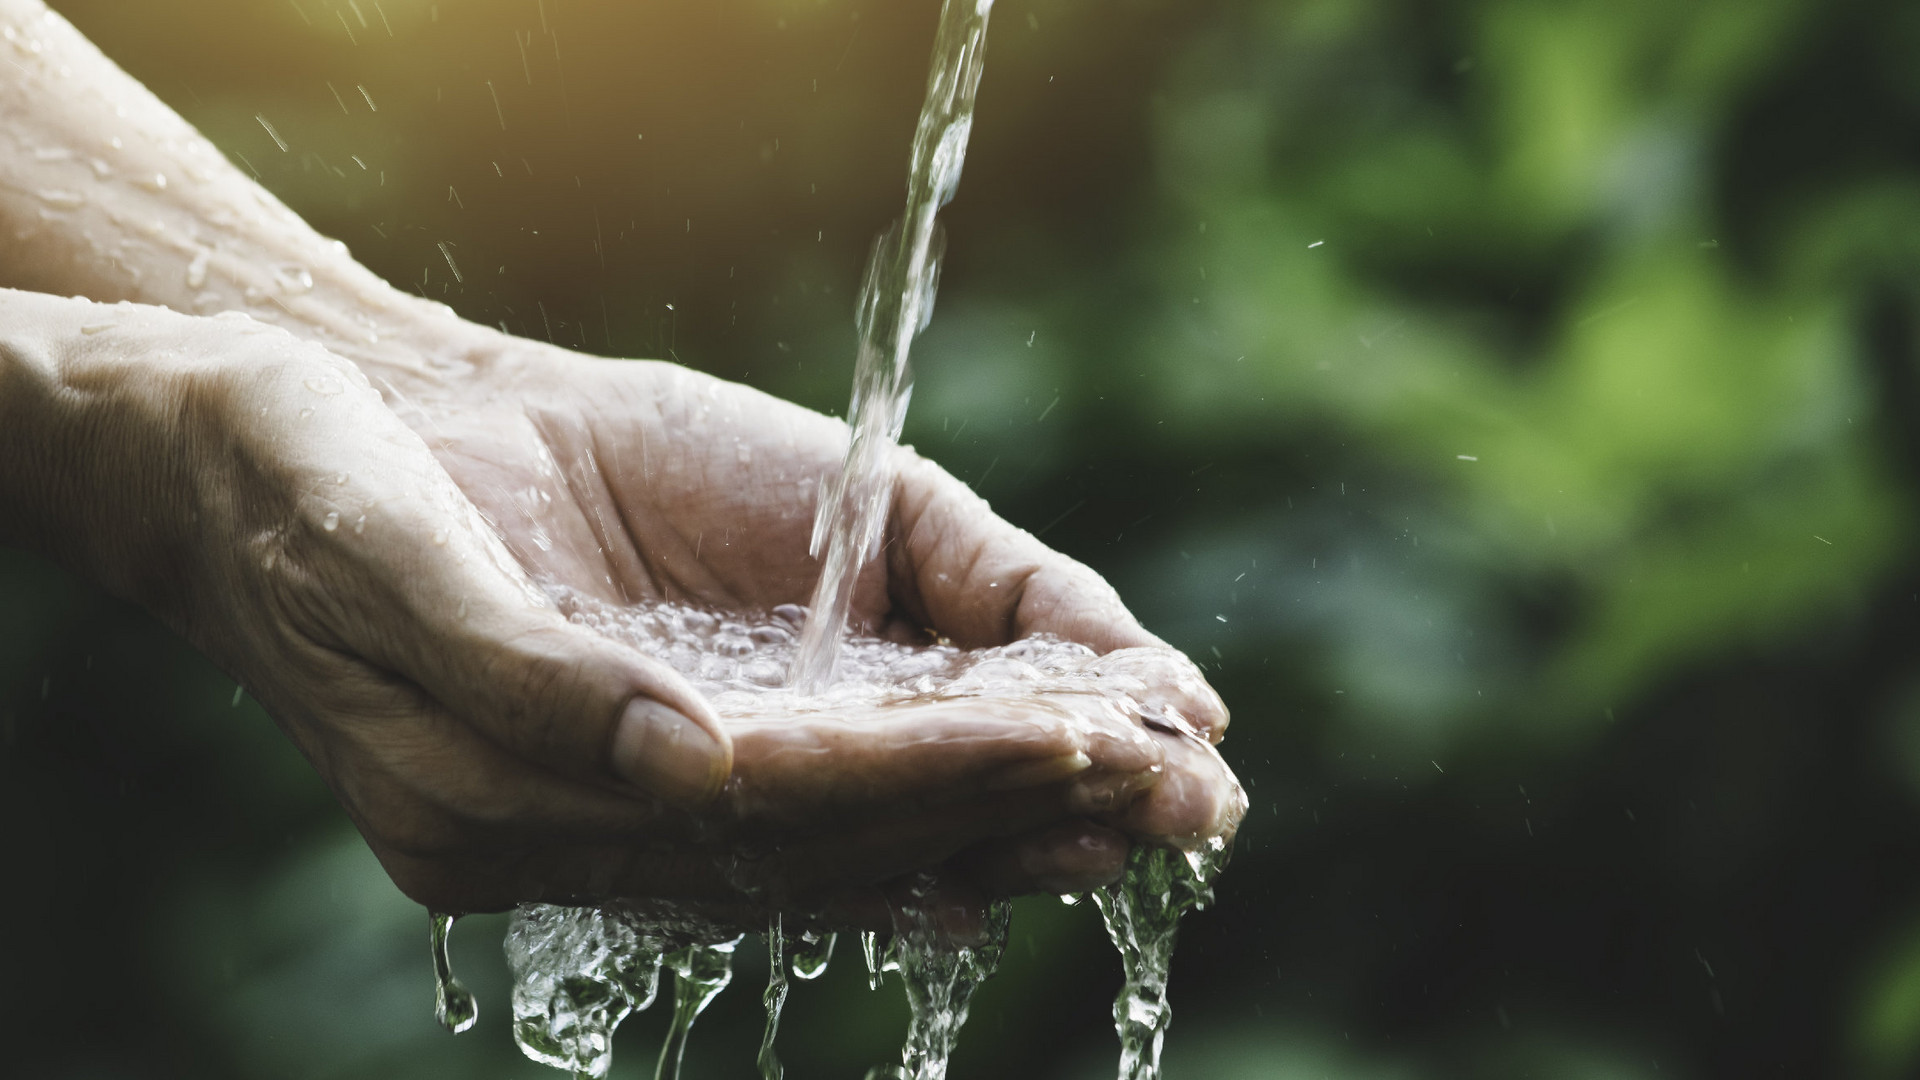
point(940, 976)
point(453, 1006)
point(577, 973)
point(896, 300)
point(774, 999)
point(700, 972)
point(1142, 912)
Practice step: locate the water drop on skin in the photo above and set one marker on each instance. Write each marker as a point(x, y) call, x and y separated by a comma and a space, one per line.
point(331, 521)
point(63, 200)
point(360, 525)
point(440, 537)
point(293, 280)
point(97, 328)
point(197, 270)
point(323, 386)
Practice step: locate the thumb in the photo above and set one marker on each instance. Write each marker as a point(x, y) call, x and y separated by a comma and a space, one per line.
point(480, 637)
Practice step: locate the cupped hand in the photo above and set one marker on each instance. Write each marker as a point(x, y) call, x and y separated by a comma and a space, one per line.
point(638, 481)
point(371, 566)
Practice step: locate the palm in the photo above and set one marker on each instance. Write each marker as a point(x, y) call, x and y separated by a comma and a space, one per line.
point(641, 481)
point(637, 482)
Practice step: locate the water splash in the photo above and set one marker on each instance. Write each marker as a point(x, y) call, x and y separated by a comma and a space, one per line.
point(453, 1006)
point(1142, 912)
point(700, 973)
point(940, 977)
point(577, 973)
point(896, 300)
point(774, 999)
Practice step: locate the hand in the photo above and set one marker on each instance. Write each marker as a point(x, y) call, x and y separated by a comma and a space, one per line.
point(492, 752)
point(635, 481)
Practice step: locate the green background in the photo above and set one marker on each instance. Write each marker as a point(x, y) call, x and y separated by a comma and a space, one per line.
point(1514, 405)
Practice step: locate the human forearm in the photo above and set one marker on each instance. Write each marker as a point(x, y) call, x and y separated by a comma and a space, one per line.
point(107, 193)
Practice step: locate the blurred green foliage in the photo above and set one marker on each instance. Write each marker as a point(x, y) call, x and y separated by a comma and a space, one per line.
point(1511, 402)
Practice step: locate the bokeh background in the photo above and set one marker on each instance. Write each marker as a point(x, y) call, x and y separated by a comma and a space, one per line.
point(1514, 405)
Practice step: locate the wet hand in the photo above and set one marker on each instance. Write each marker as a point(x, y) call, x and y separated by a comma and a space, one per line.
point(638, 482)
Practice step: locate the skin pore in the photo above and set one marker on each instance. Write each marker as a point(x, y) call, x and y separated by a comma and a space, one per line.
point(349, 498)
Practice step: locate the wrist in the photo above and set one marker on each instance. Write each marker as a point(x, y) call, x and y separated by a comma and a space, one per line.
point(129, 445)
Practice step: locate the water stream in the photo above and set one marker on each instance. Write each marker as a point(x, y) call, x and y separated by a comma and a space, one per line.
point(1142, 912)
point(896, 300)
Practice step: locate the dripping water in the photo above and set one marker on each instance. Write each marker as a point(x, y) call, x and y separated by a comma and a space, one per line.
point(1142, 912)
point(700, 972)
point(940, 976)
point(453, 1006)
point(775, 999)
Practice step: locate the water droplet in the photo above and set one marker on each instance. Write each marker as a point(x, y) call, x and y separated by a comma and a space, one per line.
point(97, 328)
point(293, 280)
point(440, 537)
point(331, 521)
point(360, 525)
point(197, 270)
point(453, 1006)
point(63, 200)
point(323, 385)
point(155, 182)
point(101, 170)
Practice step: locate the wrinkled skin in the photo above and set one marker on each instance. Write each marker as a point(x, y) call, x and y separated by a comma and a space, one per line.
point(358, 525)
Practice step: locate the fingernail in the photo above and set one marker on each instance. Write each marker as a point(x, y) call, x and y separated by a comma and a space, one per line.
point(664, 752)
